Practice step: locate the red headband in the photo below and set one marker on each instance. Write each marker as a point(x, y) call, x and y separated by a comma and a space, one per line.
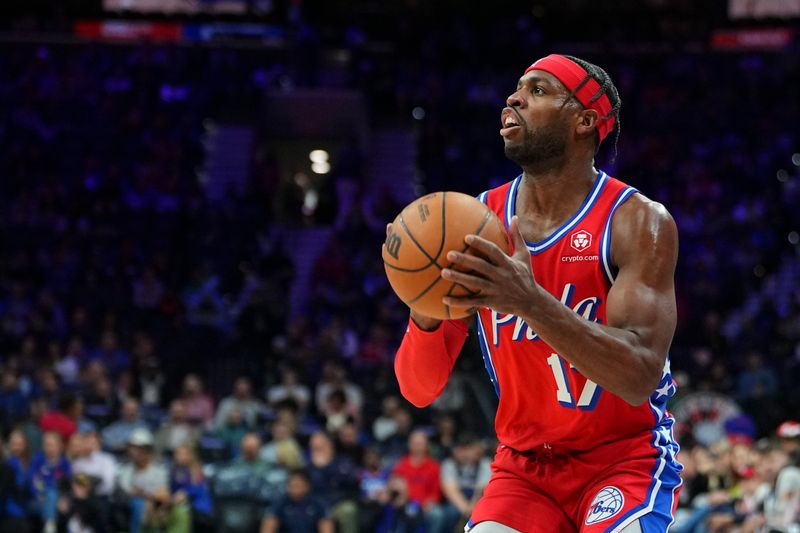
point(571, 75)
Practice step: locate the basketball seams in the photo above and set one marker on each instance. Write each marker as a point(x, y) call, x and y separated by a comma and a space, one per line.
point(478, 231)
point(431, 259)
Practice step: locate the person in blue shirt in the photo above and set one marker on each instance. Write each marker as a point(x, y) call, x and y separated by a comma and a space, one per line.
point(48, 469)
point(373, 481)
point(298, 511)
point(13, 403)
point(187, 483)
point(19, 459)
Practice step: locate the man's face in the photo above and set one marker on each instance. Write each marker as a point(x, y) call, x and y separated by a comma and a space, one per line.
point(242, 389)
point(297, 487)
point(51, 445)
point(130, 410)
point(177, 411)
point(250, 447)
point(535, 124)
point(138, 454)
point(418, 443)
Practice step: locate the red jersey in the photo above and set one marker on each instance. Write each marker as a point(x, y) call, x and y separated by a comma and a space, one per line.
point(543, 399)
point(422, 479)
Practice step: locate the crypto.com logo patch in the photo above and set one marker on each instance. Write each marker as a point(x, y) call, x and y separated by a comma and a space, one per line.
point(580, 240)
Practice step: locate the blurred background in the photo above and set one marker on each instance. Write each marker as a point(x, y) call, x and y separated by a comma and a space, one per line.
point(196, 333)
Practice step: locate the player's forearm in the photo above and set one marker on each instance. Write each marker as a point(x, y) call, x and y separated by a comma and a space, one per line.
point(614, 358)
point(425, 359)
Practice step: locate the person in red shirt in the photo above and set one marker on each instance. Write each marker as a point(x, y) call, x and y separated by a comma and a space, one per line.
point(421, 474)
point(64, 419)
point(574, 326)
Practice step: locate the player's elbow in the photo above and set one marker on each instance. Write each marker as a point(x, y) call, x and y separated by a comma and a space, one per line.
point(416, 397)
point(642, 388)
point(635, 399)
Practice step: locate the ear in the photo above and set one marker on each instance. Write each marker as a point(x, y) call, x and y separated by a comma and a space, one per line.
point(587, 122)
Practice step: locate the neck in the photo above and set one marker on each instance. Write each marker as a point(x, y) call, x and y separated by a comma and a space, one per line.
point(557, 191)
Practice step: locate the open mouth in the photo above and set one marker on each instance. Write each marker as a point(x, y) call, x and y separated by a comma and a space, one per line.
point(510, 124)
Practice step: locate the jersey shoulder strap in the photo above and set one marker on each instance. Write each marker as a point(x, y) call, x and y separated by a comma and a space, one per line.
point(496, 198)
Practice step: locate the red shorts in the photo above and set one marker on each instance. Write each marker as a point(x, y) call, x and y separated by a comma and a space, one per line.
point(603, 489)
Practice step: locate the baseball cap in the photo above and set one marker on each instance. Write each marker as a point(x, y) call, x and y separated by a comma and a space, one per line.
point(789, 430)
point(140, 437)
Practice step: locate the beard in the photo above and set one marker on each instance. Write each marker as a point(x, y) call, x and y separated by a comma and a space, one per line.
point(539, 146)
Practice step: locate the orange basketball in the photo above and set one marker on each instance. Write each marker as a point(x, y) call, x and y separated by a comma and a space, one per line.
point(415, 251)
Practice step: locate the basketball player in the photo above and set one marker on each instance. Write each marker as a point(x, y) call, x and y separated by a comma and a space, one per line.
point(574, 326)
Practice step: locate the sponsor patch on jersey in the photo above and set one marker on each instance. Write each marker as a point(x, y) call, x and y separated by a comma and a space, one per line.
point(608, 502)
point(580, 240)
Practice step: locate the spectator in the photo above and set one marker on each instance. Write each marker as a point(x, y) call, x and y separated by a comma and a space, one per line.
point(148, 290)
point(151, 382)
point(399, 513)
point(114, 358)
point(782, 506)
point(198, 404)
point(289, 388)
point(188, 485)
point(283, 449)
point(140, 479)
point(13, 403)
point(63, 420)
point(117, 435)
point(102, 406)
point(249, 456)
point(68, 366)
point(243, 400)
point(80, 509)
point(395, 446)
point(463, 478)
point(125, 387)
point(444, 440)
point(96, 463)
point(373, 486)
point(18, 493)
point(298, 511)
point(49, 468)
point(163, 513)
point(232, 432)
point(334, 480)
point(757, 381)
point(347, 442)
point(175, 431)
point(385, 425)
point(421, 474)
point(334, 377)
point(337, 412)
point(47, 387)
point(788, 434)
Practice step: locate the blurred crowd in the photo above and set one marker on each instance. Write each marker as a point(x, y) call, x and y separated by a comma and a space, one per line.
point(151, 380)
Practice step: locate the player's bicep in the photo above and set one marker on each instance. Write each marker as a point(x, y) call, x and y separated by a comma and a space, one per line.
point(642, 298)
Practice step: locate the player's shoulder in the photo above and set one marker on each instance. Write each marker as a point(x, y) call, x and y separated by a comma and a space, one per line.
point(498, 193)
point(642, 224)
point(641, 211)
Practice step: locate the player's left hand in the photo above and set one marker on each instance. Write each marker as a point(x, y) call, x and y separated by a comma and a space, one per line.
point(503, 282)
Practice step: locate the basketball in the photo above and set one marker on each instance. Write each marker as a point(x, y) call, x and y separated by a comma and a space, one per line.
point(415, 251)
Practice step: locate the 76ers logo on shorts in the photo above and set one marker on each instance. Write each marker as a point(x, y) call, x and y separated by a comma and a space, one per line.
point(580, 240)
point(607, 503)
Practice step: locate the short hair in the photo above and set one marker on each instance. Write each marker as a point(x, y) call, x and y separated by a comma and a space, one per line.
point(608, 88)
point(66, 401)
point(302, 473)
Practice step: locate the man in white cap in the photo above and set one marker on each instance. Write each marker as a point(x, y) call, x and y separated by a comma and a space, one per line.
point(141, 478)
point(789, 435)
